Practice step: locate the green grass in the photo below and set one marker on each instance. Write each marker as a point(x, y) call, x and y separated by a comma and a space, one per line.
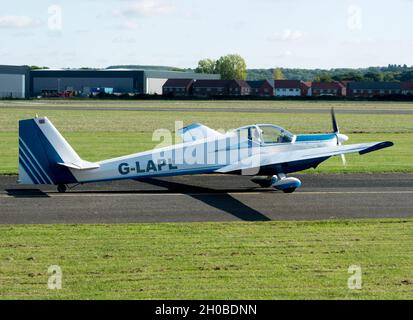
point(276, 260)
point(98, 135)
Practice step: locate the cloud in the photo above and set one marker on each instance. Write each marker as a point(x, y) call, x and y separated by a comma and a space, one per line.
point(284, 54)
point(286, 35)
point(145, 8)
point(130, 25)
point(121, 40)
point(20, 22)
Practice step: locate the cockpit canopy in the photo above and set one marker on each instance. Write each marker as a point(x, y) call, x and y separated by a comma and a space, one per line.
point(265, 134)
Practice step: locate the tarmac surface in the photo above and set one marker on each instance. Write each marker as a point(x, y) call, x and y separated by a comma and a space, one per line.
point(209, 198)
point(218, 110)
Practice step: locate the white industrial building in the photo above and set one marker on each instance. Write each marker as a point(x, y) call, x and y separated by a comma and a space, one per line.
point(19, 82)
point(14, 82)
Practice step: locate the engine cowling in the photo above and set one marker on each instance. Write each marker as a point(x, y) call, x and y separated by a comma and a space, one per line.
point(288, 185)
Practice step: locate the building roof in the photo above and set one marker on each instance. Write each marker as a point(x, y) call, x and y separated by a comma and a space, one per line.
point(239, 83)
point(14, 69)
point(334, 85)
point(178, 83)
point(123, 73)
point(370, 85)
point(211, 83)
point(257, 84)
point(286, 84)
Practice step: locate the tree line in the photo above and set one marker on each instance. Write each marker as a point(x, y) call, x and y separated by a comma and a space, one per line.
point(234, 67)
point(378, 74)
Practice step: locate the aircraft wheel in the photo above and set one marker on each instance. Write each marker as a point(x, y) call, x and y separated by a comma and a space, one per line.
point(290, 190)
point(61, 188)
point(264, 184)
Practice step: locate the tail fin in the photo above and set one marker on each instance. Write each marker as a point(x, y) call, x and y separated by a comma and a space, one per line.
point(45, 157)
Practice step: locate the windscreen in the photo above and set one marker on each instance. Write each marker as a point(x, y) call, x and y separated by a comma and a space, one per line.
point(272, 134)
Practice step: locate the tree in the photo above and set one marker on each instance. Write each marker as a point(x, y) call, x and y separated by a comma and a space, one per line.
point(349, 76)
point(406, 76)
point(323, 77)
point(374, 76)
point(278, 74)
point(206, 66)
point(390, 76)
point(38, 68)
point(232, 67)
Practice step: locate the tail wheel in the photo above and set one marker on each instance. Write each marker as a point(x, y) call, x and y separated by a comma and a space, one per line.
point(61, 188)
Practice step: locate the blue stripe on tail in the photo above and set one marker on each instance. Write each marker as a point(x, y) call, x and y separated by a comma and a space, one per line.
point(29, 165)
point(29, 173)
point(33, 163)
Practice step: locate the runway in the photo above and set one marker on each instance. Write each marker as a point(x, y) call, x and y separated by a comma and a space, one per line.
point(215, 110)
point(209, 198)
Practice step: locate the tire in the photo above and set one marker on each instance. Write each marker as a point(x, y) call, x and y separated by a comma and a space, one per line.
point(290, 190)
point(264, 184)
point(61, 188)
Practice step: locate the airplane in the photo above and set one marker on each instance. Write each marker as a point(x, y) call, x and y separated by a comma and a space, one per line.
point(265, 152)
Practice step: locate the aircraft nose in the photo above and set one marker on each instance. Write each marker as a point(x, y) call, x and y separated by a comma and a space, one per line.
point(342, 138)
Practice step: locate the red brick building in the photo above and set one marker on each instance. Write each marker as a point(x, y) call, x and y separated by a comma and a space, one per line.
point(206, 88)
point(407, 88)
point(368, 89)
point(238, 88)
point(210, 88)
point(261, 88)
point(332, 89)
point(178, 87)
point(306, 88)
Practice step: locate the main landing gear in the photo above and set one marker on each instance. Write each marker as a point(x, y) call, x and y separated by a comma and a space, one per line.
point(280, 182)
point(61, 188)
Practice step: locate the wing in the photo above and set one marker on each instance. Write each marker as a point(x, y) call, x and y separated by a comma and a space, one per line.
point(197, 131)
point(304, 154)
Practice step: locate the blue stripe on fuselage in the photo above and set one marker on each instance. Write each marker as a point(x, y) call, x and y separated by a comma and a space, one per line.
point(316, 137)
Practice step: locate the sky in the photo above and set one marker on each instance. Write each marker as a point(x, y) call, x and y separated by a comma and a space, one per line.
point(267, 33)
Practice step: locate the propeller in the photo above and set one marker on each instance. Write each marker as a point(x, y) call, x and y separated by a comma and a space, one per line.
point(341, 138)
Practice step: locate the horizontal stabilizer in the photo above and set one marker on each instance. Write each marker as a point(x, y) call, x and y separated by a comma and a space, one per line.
point(83, 165)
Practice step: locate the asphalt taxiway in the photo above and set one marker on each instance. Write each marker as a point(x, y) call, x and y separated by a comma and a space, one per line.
point(209, 198)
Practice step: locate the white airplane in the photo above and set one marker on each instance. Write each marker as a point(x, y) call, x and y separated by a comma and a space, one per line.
point(265, 152)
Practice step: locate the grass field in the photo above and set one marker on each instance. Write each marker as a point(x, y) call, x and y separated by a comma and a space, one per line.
point(276, 260)
point(97, 135)
point(365, 105)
